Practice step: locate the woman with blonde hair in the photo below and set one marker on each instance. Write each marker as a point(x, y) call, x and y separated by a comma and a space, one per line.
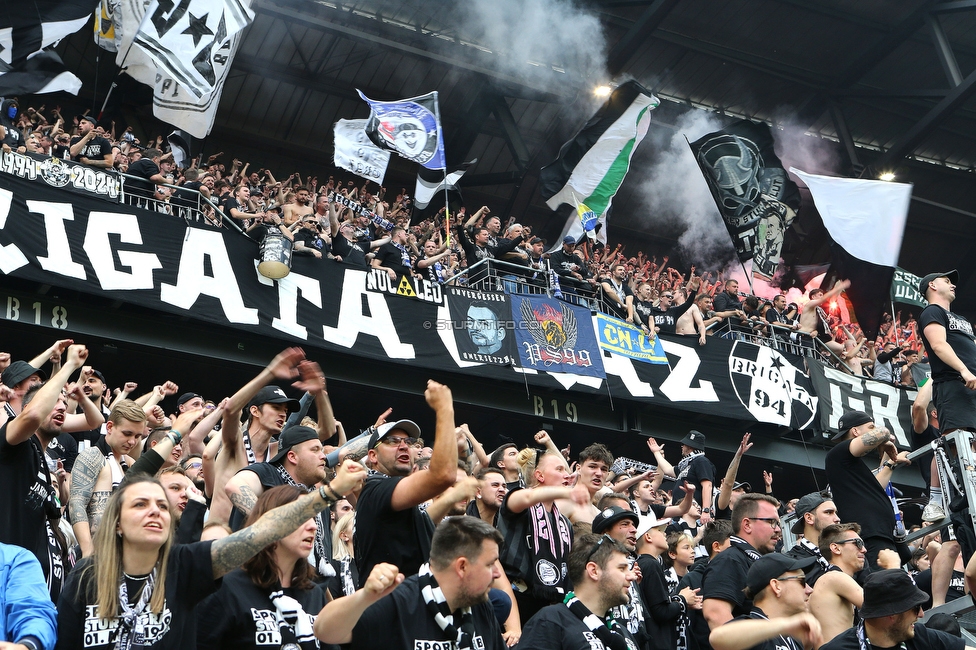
point(346, 575)
point(138, 589)
point(271, 600)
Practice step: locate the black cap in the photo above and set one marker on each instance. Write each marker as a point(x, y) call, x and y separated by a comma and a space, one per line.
point(292, 436)
point(18, 371)
point(89, 118)
point(612, 515)
point(742, 485)
point(695, 440)
point(273, 395)
point(849, 420)
point(772, 566)
point(409, 427)
point(890, 592)
point(99, 374)
point(568, 239)
point(186, 397)
point(536, 240)
point(807, 503)
point(923, 284)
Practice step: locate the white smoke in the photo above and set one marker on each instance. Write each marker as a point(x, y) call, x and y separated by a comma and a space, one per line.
point(530, 37)
point(675, 191)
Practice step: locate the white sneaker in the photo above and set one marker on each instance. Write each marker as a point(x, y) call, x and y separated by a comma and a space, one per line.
point(933, 512)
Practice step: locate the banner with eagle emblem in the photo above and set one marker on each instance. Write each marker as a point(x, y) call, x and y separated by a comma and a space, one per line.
point(555, 336)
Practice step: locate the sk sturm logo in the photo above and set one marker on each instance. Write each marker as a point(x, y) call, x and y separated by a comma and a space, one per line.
point(771, 388)
point(55, 172)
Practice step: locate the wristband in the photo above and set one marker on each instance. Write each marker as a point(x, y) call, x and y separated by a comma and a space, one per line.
point(706, 511)
point(175, 436)
point(32, 643)
point(888, 464)
point(325, 497)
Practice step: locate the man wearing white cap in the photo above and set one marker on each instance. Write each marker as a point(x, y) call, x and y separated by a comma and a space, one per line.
point(390, 527)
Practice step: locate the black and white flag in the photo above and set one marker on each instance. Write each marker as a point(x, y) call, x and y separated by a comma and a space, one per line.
point(355, 152)
point(26, 29)
point(431, 182)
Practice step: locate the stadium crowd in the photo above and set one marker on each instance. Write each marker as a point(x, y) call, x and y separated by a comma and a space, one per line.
point(246, 522)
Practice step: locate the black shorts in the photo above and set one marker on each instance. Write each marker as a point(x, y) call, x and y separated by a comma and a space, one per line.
point(956, 405)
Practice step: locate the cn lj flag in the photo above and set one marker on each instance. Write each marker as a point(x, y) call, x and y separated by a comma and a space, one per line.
point(431, 182)
point(592, 166)
point(866, 221)
point(26, 29)
point(172, 102)
point(355, 152)
point(755, 196)
point(410, 127)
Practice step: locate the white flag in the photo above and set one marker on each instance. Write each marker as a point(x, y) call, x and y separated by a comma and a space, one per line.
point(172, 102)
point(355, 152)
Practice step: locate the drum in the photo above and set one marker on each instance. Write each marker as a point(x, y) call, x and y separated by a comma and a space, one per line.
point(275, 255)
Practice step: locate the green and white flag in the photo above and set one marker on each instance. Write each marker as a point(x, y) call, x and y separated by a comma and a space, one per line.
point(904, 288)
point(591, 167)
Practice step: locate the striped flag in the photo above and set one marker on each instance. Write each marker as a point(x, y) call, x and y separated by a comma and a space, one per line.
point(430, 182)
point(591, 167)
point(26, 29)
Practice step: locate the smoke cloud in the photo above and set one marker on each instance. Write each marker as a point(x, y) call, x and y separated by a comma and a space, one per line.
point(527, 37)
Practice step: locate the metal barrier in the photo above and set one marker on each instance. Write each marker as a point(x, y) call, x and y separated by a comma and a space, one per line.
point(187, 204)
point(499, 275)
point(785, 339)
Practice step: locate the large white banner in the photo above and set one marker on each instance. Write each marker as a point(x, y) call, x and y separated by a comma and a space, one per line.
point(355, 152)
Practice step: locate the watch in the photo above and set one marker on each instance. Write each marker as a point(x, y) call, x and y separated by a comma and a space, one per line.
point(706, 511)
point(888, 464)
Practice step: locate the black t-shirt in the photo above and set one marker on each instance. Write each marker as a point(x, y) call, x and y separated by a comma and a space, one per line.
point(959, 336)
point(557, 628)
point(644, 310)
point(312, 239)
point(725, 578)
point(779, 642)
point(27, 501)
point(145, 169)
point(667, 319)
point(65, 449)
point(663, 610)
point(857, 494)
point(96, 149)
point(269, 476)
point(189, 579)
point(392, 258)
point(622, 291)
point(400, 537)
point(401, 621)
point(924, 639)
point(700, 469)
point(241, 616)
point(351, 252)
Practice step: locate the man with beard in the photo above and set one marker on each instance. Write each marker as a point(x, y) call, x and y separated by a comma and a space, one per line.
point(814, 513)
point(620, 524)
point(390, 527)
point(99, 470)
point(779, 619)
point(491, 493)
point(618, 294)
point(837, 595)
point(90, 148)
point(890, 612)
point(601, 572)
point(192, 465)
point(301, 208)
point(756, 530)
point(445, 604)
point(29, 513)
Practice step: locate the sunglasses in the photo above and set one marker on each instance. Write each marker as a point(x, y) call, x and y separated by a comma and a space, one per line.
point(596, 547)
point(857, 541)
point(801, 579)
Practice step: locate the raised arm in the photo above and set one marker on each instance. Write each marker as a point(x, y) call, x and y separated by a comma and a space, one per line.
point(667, 469)
point(920, 407)
point(22, 427)
point(335, 622)
point(312, 381)
point(543, 438)
point(725, 494)
point(230, 552)
point(740, 635)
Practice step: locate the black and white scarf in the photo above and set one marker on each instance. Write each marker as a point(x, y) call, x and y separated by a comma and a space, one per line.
point(345, 576)
point(607, 632)
point(132, 632)
point(681, 469)
point(682, 622)
point(461, 635)
point(815, 552)
point(249, 450)
point(319, 558)
point(294, 625)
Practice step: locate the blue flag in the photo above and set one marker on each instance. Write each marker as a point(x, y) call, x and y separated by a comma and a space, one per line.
point(624, 339)
point(555, 336)
point(409, 127)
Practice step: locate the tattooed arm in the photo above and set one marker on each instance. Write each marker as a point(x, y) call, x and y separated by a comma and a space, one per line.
point(230, 552)
point(244, 489)
point(84, 475)
point(872, 438)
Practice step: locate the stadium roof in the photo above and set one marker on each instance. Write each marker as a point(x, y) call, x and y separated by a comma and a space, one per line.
point(853, 89)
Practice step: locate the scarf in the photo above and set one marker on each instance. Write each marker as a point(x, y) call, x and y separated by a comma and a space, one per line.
point(541, 531)
point(319, 558)
point(815, 552)
point(132, 632)
point(745, 547)
point(345, 576)
point(251, 459)
point(463, 635)
point(404, 254)
point(681, 469)
point(606, 632)
point(294, 625)
point(682, 622)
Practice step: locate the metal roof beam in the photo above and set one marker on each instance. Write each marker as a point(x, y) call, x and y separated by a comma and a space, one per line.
point(649, 20)
point(944, 50)
point(513, 139)
point(953, 7)
point(392, 41)
point(956, 98)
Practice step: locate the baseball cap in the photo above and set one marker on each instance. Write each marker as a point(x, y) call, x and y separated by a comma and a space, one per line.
point(292, 436)
point(851, 419)
point(807, 503)
point(647, 522)
point(18, 371)
point(742, 485)
point(568, 239)
point(923, 284)
point(890, 592)
point(186, 397)
point(695, 440)
point(612, 515)
point(771, 566)
point(537, 240)
point(273, 395)
point(409, 427)
point(89, 118)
